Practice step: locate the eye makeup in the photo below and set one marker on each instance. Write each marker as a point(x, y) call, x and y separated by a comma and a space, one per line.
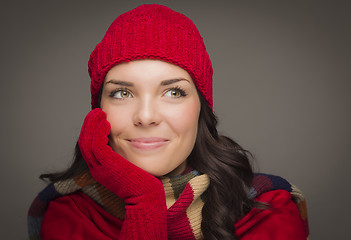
point(123, 92)
point(177, 90)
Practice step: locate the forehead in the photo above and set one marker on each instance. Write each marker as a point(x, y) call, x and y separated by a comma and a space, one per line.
point(146, 70)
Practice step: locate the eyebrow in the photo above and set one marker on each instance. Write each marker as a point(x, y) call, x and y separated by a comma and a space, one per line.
point(163, 83)
point(171, 81)
point(123, 83)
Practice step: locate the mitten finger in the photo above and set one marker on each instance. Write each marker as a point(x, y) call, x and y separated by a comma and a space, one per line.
point(102, 130)
point(90, 122)
point(86, 136)
point(100, 147)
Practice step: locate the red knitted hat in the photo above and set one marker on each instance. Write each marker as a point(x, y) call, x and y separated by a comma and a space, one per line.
point(152, 31)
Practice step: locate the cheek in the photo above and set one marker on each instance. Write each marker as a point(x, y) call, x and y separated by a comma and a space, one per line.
point(184, 120)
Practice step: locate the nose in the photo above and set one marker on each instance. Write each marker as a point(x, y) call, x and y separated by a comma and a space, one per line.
point(146, 113)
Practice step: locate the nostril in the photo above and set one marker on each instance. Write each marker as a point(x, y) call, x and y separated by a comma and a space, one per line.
point(140, 123)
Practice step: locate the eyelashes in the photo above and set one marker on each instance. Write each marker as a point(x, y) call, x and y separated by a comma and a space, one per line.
point(120, 93)
point(176, 92)
point(124, 93)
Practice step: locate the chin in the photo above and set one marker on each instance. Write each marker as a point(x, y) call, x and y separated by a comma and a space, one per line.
point(162, 172)
point(155, 172)
point(151, 164)
point(156, 166)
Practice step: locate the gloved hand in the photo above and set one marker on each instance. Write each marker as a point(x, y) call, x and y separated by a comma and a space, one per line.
point(146, 211)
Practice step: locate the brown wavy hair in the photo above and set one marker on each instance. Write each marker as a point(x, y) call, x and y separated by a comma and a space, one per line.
point(225, 162)
point(228, 166)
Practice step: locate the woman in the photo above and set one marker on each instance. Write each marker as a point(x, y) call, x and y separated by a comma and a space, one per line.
point(149, 162)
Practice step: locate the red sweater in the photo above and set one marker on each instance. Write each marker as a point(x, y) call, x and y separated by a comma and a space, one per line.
point(77, 216)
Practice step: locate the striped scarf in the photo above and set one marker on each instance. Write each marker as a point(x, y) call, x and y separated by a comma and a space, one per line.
point(184, 200)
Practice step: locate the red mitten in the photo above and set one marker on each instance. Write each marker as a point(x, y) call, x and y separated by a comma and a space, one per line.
point(146, 211)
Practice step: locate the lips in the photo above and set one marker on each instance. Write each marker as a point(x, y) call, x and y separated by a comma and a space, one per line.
point(148, 143)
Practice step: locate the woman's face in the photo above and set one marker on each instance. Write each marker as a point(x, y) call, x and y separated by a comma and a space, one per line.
point(153, 108)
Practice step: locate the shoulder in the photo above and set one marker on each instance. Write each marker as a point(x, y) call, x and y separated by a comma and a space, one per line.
point(264, 183)
point(285, 216)
point(79, 216)
point(281, 220)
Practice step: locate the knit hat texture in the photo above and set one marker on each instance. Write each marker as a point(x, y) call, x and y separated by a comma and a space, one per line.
point(152, 31)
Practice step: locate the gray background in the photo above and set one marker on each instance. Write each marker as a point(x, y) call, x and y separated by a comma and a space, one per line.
point(281, 89)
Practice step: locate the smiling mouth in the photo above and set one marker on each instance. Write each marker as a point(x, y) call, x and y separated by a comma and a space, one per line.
point(147, 143)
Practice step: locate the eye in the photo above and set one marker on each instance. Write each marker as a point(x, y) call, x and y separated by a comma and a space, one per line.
point(120, 94)
point(175, 93)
